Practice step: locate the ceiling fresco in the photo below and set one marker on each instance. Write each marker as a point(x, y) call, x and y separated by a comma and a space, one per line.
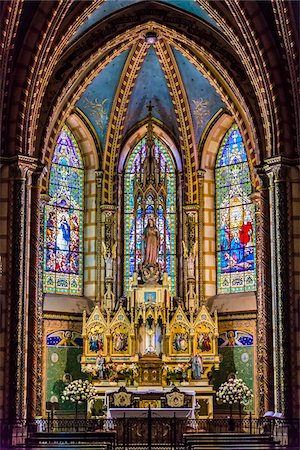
point(151, 85)
point(110, 6)
point(96, 101)
point(203, 100)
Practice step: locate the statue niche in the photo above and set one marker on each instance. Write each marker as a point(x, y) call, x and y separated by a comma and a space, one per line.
point(150, 269)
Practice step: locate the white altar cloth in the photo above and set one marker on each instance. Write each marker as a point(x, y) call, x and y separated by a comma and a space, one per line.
point(117, 413)
point(150, 391)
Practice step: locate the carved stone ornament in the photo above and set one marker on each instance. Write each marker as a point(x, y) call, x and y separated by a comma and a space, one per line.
point(122, 399)
point(151, 273)
point(175, 399)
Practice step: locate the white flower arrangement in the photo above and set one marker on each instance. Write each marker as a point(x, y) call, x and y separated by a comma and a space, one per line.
point(90, 369)
point(79, 391)
point(234, 391)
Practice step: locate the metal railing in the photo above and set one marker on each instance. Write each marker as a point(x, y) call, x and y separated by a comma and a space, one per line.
point(149, 430)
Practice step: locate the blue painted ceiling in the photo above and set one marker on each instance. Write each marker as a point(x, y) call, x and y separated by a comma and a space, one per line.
point(110, 6)
point(97, 100)
point(151, 85)
point(203, 100)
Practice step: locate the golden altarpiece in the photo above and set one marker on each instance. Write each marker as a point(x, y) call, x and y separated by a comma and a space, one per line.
point(147, 337)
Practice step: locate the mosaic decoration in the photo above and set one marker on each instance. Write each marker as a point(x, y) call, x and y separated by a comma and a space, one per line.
point(236, 350)
point(63, 355)
point(236, 253)
point(63, 239)
point(235, 338)
point(165, 222)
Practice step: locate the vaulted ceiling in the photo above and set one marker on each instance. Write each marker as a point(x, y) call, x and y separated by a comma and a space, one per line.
point(91, 57)
point(150, 83)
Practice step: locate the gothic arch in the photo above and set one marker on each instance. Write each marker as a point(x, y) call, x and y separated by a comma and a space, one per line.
point(208, 150)
point(70, 95)
point(90, 156)
point(138, 134)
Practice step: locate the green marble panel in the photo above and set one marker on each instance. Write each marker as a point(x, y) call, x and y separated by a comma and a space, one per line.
point(236, 361)
point(63, 366)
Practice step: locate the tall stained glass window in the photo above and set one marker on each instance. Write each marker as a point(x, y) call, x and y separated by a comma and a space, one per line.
point(235, 220)
point(137, 214)
point(63, 226)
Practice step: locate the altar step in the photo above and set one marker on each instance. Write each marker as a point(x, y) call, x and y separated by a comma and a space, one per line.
point(78, 440)
point(228, 441)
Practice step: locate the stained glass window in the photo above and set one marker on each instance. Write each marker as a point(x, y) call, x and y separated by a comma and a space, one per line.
point(235, 219)
point(63, 225)
point(136, 215)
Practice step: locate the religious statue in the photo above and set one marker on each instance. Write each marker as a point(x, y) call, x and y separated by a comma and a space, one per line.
point(151, 238)
point(108, 258)
point(197, 366)
point(100, 364)
point(190, 257)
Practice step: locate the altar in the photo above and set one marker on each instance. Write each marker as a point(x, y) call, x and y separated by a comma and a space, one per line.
point(149, 329)
point(167, 413)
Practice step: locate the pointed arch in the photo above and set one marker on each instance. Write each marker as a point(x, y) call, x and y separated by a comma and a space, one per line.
point(235, 217)
point(63, 219)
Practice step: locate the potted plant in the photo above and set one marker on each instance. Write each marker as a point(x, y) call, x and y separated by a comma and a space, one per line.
point(77, 392)
point(233, 391)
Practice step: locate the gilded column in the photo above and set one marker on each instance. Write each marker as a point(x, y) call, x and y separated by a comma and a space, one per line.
point(119, 235)
point(99, 180)
point(276, 169)
point(200, 175)
point(107, 237)
point(264, 298)
point(34, 268)
point(180, 291)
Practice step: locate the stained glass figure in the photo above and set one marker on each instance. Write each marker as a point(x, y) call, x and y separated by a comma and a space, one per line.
point(63, 223)
point(236, 252)
point(145, 204)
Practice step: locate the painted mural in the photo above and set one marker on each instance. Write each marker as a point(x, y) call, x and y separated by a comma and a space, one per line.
point(63, 355)
point(236, 349)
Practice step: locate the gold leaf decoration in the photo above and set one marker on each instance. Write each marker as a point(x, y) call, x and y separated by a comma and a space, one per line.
point(97, 110)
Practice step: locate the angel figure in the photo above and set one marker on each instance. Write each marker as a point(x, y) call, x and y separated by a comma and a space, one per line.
point(190, 257)
point(108, 258)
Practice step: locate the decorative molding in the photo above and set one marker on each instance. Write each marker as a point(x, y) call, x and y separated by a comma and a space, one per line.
point(183, 115)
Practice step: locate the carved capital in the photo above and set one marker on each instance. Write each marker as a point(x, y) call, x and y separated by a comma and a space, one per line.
point(108, 211)
point(21, 167)
point(99, 178)
point(277, 168)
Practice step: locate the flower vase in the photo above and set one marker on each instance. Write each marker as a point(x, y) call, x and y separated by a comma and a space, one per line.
point(230, 420)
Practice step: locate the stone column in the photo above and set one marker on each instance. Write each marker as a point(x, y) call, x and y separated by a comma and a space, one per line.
point(191, 238)
point(200, 174)
point(276, 169)
point(20, 169)
point(99, 180)
point(180, 261)
point(107, 236)
point(44, 199)
point(264, 298)
point(34, 268)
